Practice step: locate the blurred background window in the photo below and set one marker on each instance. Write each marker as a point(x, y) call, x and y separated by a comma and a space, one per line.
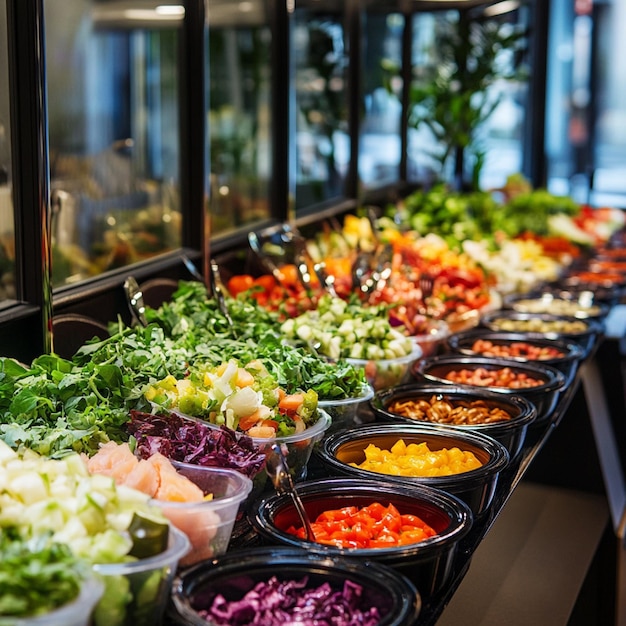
point(468, 96)
point(322, 140)
point(380, 143)
point(240, 110)
point(7, 229)
point(586, 103)
point(113, 114)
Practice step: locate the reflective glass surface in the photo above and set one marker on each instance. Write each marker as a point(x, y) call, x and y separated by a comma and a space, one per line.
point(239, 115)
point(379, 134)
point(113, 88)
point(586, 104)
point(7, 229)
point(321, 107)
point(468, 98)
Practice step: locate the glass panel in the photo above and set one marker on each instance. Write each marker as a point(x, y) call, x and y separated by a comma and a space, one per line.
point(112, 80)
point(586, 105)
point(467, 129)
point(7, 228)
point(239, 119)
point(321, 124)
point(379, 140)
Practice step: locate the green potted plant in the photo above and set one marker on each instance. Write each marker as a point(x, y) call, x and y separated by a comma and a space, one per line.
point(451, 94)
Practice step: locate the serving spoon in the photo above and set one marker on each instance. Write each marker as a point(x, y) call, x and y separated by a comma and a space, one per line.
point(278, 471)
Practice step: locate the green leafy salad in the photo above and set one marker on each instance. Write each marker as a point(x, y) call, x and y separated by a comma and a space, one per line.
point(55, 406)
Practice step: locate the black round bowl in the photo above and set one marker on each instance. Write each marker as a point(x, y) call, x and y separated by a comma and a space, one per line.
point(476, 487)
point(545, 396)
point(428, 564)
point(583, 331)
point(510, 432)
point(582, 305)
point(571, 352)
point(236, 573)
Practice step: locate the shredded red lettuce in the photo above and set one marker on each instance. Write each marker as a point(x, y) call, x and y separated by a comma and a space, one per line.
point(189, 441)
point(291, 603)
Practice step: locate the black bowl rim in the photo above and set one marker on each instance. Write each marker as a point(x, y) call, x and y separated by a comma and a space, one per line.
point(594, 326)
point(498, 453)
point(512, 300)
point(281, 557)
point(459, 513)
point(573, 351)
point(527, 410)
point(556, 379)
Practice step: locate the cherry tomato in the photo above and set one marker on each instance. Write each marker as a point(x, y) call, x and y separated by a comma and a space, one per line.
point(239, 283)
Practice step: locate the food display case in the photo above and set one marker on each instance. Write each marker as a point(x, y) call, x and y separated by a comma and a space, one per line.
point(163, 167)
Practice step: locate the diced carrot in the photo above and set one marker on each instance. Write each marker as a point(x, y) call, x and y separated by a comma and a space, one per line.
point(271, 423)
point(248, 421)
point(291, 403)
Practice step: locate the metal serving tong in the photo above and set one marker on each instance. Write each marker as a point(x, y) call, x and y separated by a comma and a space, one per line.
point(278, 471)
point(218, 292)
point(134, 297)
point(255, 245)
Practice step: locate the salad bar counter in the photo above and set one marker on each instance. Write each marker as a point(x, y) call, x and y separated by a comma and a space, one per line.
point(274, 448)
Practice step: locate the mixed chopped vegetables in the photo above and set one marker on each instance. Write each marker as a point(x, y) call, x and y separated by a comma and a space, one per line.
point(247, 399)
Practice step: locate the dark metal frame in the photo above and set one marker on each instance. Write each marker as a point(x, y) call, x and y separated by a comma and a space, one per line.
point(102, 297)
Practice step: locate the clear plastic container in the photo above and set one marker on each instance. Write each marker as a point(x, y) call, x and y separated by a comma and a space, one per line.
point(345, 411)
point(75, 613)
point(299, 445)
point(433, 338)
point(137, 592)
point(385, 373)
point(208, 524)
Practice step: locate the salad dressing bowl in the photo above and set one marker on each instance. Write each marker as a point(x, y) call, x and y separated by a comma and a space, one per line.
point(340, 452)
point(505, 418)
point(235, 574)
point(427, 563)
point(582, 305)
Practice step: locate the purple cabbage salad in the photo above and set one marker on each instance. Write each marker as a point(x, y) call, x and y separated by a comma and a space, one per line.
point(189, 441)
point(290, 603)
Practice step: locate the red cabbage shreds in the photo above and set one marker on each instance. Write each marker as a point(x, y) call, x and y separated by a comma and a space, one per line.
point(290, 603)
point(187, 441)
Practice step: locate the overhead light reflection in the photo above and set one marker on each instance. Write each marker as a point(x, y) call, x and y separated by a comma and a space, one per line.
point(170, 9)
point(506, 6)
